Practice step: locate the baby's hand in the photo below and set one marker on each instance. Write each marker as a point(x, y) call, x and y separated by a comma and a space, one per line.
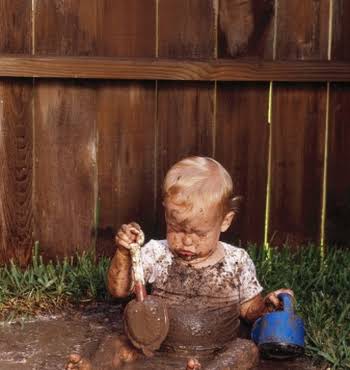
point(129, 234)
point(272, 298)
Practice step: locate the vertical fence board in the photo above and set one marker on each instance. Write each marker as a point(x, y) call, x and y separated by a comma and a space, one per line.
point(65, 132)
point(245, 28)
point(242, 147)
point(15, 26)
point(298, 129)
point(126, 123)
point(185, 125)
point(126, 28)
point(65, 27)
point(341, 30)
point(338, 184)
point(337, 225)
point(302, 29)
point(186, 28)
point(185, 109)
point(65, 167)
point(125, 158)
point(16, 214)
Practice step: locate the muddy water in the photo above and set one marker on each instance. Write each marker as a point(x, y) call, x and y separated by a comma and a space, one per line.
point(45, 342)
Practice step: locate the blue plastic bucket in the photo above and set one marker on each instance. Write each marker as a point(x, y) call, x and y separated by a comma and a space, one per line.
point(280, 334)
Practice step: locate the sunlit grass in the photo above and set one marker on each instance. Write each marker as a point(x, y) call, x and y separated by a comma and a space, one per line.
point(45, 288)
point(322, 289)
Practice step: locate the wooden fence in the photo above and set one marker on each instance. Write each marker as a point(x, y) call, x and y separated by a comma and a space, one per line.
point(99, 97)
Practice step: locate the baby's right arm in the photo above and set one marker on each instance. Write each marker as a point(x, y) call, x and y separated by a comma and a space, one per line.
point(119, 273)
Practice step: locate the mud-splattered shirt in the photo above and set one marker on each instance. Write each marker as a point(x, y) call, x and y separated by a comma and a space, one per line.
point(231, 279)
point(203, 303)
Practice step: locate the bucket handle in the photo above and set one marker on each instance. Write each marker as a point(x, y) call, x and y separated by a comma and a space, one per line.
point(287, 301)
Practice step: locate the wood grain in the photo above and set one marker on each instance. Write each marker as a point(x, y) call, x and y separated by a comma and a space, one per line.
point(65, 133)
point(187, 28)
point(16, 214)
point(126, 28)
point(338, 179)
point(298, 129)
point(242, 137)
point(126, 129)
point(341, 30)
point(302, 29)
point(337, 224)
point(186, 125)
point(245, 28)
point(65, 167)
point(65, 27)
point(15, 26)
point(16, 141)
point(184, 70)
point(126, 123)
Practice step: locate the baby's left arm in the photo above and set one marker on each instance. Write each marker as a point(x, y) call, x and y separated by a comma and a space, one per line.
point(258, 306)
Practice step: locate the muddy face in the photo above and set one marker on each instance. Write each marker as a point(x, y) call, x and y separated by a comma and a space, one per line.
point(203, 314)
point(193, 237)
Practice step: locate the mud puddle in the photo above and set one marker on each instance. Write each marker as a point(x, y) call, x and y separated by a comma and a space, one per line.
point(44, 343)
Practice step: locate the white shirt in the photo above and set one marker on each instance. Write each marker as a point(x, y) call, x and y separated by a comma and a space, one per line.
point(230, 281)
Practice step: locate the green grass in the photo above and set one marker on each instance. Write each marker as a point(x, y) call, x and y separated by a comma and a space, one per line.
point(322, 290)
point(45, 288)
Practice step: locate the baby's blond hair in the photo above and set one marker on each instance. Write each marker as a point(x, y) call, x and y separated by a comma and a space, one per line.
point(195, 183)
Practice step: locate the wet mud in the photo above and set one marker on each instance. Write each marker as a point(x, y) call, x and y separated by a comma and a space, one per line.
point(45, 343)
point(203, 314)
point(146, 323)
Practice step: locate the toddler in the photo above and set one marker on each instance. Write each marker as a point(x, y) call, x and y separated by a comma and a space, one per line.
point(207, 285)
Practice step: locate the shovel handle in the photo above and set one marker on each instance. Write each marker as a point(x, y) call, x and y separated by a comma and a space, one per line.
point(140, 292)
point(135, 252)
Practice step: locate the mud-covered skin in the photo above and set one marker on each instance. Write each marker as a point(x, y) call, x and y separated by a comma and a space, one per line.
point(240, 354)
point(114, 352)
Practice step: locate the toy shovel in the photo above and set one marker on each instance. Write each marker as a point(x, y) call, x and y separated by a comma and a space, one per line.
point(146, 321)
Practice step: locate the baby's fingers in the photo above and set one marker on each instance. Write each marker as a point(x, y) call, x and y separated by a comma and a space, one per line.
point(272, 298)
point(132, 230)
point(136, 226)
point(284, 290)
point(137, 232)
point(122, 238)
point(121, 242)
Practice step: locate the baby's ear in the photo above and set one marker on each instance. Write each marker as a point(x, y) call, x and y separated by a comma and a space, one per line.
point(236, 204)
point(226, 222)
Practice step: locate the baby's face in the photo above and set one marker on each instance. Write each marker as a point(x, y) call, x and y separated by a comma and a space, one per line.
point(195, 238)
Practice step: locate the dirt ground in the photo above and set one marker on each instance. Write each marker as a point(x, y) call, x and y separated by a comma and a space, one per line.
point(44, 343)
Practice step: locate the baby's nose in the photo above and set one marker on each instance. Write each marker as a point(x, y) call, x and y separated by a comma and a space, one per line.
point(187, 240)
